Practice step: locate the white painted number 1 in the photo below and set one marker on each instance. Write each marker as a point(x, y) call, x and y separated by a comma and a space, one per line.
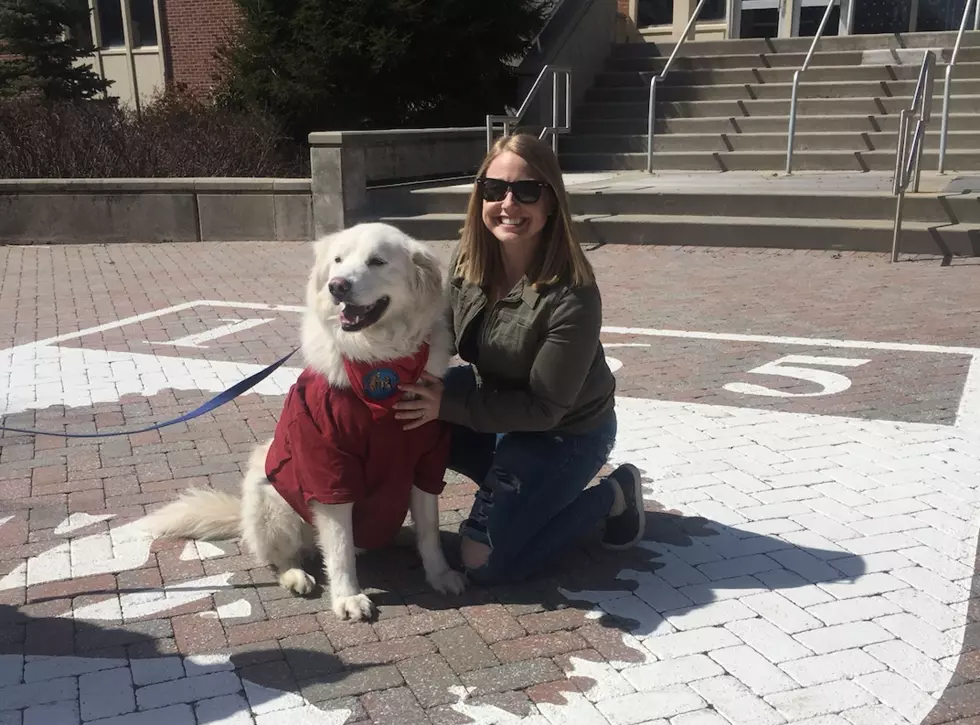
point(830, 382)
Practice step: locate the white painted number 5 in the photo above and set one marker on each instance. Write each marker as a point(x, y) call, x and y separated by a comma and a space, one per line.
point(830, 382)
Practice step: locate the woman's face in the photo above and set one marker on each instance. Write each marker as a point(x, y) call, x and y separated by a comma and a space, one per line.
point(511, 221)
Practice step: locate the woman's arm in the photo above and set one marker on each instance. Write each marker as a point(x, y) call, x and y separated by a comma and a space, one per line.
point(556, 377)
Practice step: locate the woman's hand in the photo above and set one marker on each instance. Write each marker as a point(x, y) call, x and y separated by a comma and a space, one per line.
point(425, 407)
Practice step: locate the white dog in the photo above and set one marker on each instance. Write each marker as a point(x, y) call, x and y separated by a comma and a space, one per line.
point(341, 471)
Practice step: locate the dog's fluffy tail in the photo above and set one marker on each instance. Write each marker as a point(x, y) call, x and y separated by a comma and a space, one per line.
point(199, 513)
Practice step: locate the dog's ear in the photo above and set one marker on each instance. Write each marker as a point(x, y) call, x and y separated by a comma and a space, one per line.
point(428, 275)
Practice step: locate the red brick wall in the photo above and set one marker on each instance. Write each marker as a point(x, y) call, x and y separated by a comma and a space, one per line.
point(193, 30)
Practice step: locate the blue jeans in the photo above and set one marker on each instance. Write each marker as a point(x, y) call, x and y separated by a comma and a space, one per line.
point(532, 499)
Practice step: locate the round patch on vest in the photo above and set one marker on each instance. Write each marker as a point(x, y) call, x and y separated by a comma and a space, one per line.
point(380, 383)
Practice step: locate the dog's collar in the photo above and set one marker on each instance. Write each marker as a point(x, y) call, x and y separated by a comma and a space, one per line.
point(376, 383)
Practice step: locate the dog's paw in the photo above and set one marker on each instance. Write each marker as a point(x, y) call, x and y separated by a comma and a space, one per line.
point(355, 608)
point(297, 581)
point(447, 581)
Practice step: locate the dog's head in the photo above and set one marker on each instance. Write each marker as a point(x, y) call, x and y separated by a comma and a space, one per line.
point(372, 276)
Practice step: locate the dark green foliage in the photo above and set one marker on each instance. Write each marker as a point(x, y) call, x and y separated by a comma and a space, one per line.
point(42, 56)
point(361, 64)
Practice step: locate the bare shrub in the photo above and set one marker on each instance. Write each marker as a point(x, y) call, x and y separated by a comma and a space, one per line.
point(177, 135)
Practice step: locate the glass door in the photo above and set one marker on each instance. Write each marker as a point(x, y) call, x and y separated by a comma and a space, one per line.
point(760, 19)
point(765, 18)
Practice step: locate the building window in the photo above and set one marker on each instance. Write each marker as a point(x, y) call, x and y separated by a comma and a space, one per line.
point(661, 12)
point(144, 23)
point(654, 12)
point(110, 24)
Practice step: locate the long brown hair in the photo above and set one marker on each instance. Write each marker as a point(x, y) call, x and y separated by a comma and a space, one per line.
point(559, 257)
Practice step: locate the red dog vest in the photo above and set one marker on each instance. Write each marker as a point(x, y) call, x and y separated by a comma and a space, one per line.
point(344, 445)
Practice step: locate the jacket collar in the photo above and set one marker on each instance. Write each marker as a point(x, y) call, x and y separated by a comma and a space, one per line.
point(528, 293)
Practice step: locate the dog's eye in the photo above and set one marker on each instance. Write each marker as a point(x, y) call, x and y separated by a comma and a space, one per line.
point(376, 262)
point(337, 260)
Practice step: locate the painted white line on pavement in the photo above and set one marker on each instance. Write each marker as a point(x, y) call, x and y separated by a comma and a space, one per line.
point(157, 313)
point(232, 327)
point(782, 340)
point(646, 331)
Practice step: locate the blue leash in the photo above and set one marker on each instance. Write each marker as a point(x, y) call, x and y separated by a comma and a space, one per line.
point(216, 402)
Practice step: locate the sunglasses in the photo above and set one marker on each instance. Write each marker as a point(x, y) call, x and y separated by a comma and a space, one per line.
point(525, 191)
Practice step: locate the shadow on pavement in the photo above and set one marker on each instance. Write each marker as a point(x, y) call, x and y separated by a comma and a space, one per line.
point(586, 578)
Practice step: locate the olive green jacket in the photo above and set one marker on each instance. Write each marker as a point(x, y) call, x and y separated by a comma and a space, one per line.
point(537, 358)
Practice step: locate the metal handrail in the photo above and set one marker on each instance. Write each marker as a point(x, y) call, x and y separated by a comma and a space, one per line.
point(922, 105)
point(908, 158)
point(658, 77)
point(791, 135)
point(508, 120)
point(944, 127)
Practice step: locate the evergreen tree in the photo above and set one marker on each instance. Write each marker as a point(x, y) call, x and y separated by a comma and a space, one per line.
point(42, 58)
point(359, 64)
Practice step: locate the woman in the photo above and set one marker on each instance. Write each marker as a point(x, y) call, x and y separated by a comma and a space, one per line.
point(533, 414)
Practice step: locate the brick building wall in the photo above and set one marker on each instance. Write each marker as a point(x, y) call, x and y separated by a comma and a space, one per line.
point(193, 30)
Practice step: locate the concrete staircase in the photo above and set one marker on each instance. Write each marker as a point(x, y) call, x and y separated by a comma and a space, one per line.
point(830, 210)
point(724, 108)
point(725, 105)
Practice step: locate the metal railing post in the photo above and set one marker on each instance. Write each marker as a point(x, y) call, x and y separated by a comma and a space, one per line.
point(898, 187)
point(554, 111)
point(651, 110)
point(944, 125)
point(908, 159)
point(508, 120)
point(791, 132)
point(650, 121)
point(927, 75)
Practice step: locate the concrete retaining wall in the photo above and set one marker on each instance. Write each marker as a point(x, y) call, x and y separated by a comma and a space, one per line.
point(344, 163)
point(579, 36)
point(51, 211)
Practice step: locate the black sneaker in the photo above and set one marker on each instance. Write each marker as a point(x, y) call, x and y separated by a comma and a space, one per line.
point(625, 530)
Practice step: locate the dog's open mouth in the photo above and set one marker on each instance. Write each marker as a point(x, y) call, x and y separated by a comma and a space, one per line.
point(357, 317)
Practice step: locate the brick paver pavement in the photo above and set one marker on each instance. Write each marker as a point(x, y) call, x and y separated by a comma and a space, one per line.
point(809, 429)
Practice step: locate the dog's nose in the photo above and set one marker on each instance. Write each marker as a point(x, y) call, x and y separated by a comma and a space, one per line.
point(339, 287)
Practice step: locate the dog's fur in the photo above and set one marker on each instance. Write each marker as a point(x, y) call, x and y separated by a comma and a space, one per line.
point(272, 531)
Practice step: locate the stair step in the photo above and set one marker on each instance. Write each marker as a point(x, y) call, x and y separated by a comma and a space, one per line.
point(757, 124)
point(762, 75)
point(777, 91)
point(736, 231)
point(656, 63)
point(949, 208)
point(824, 160)
point(833, 141)
point(727, 76)
point(831, 43)
point(766, 107)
